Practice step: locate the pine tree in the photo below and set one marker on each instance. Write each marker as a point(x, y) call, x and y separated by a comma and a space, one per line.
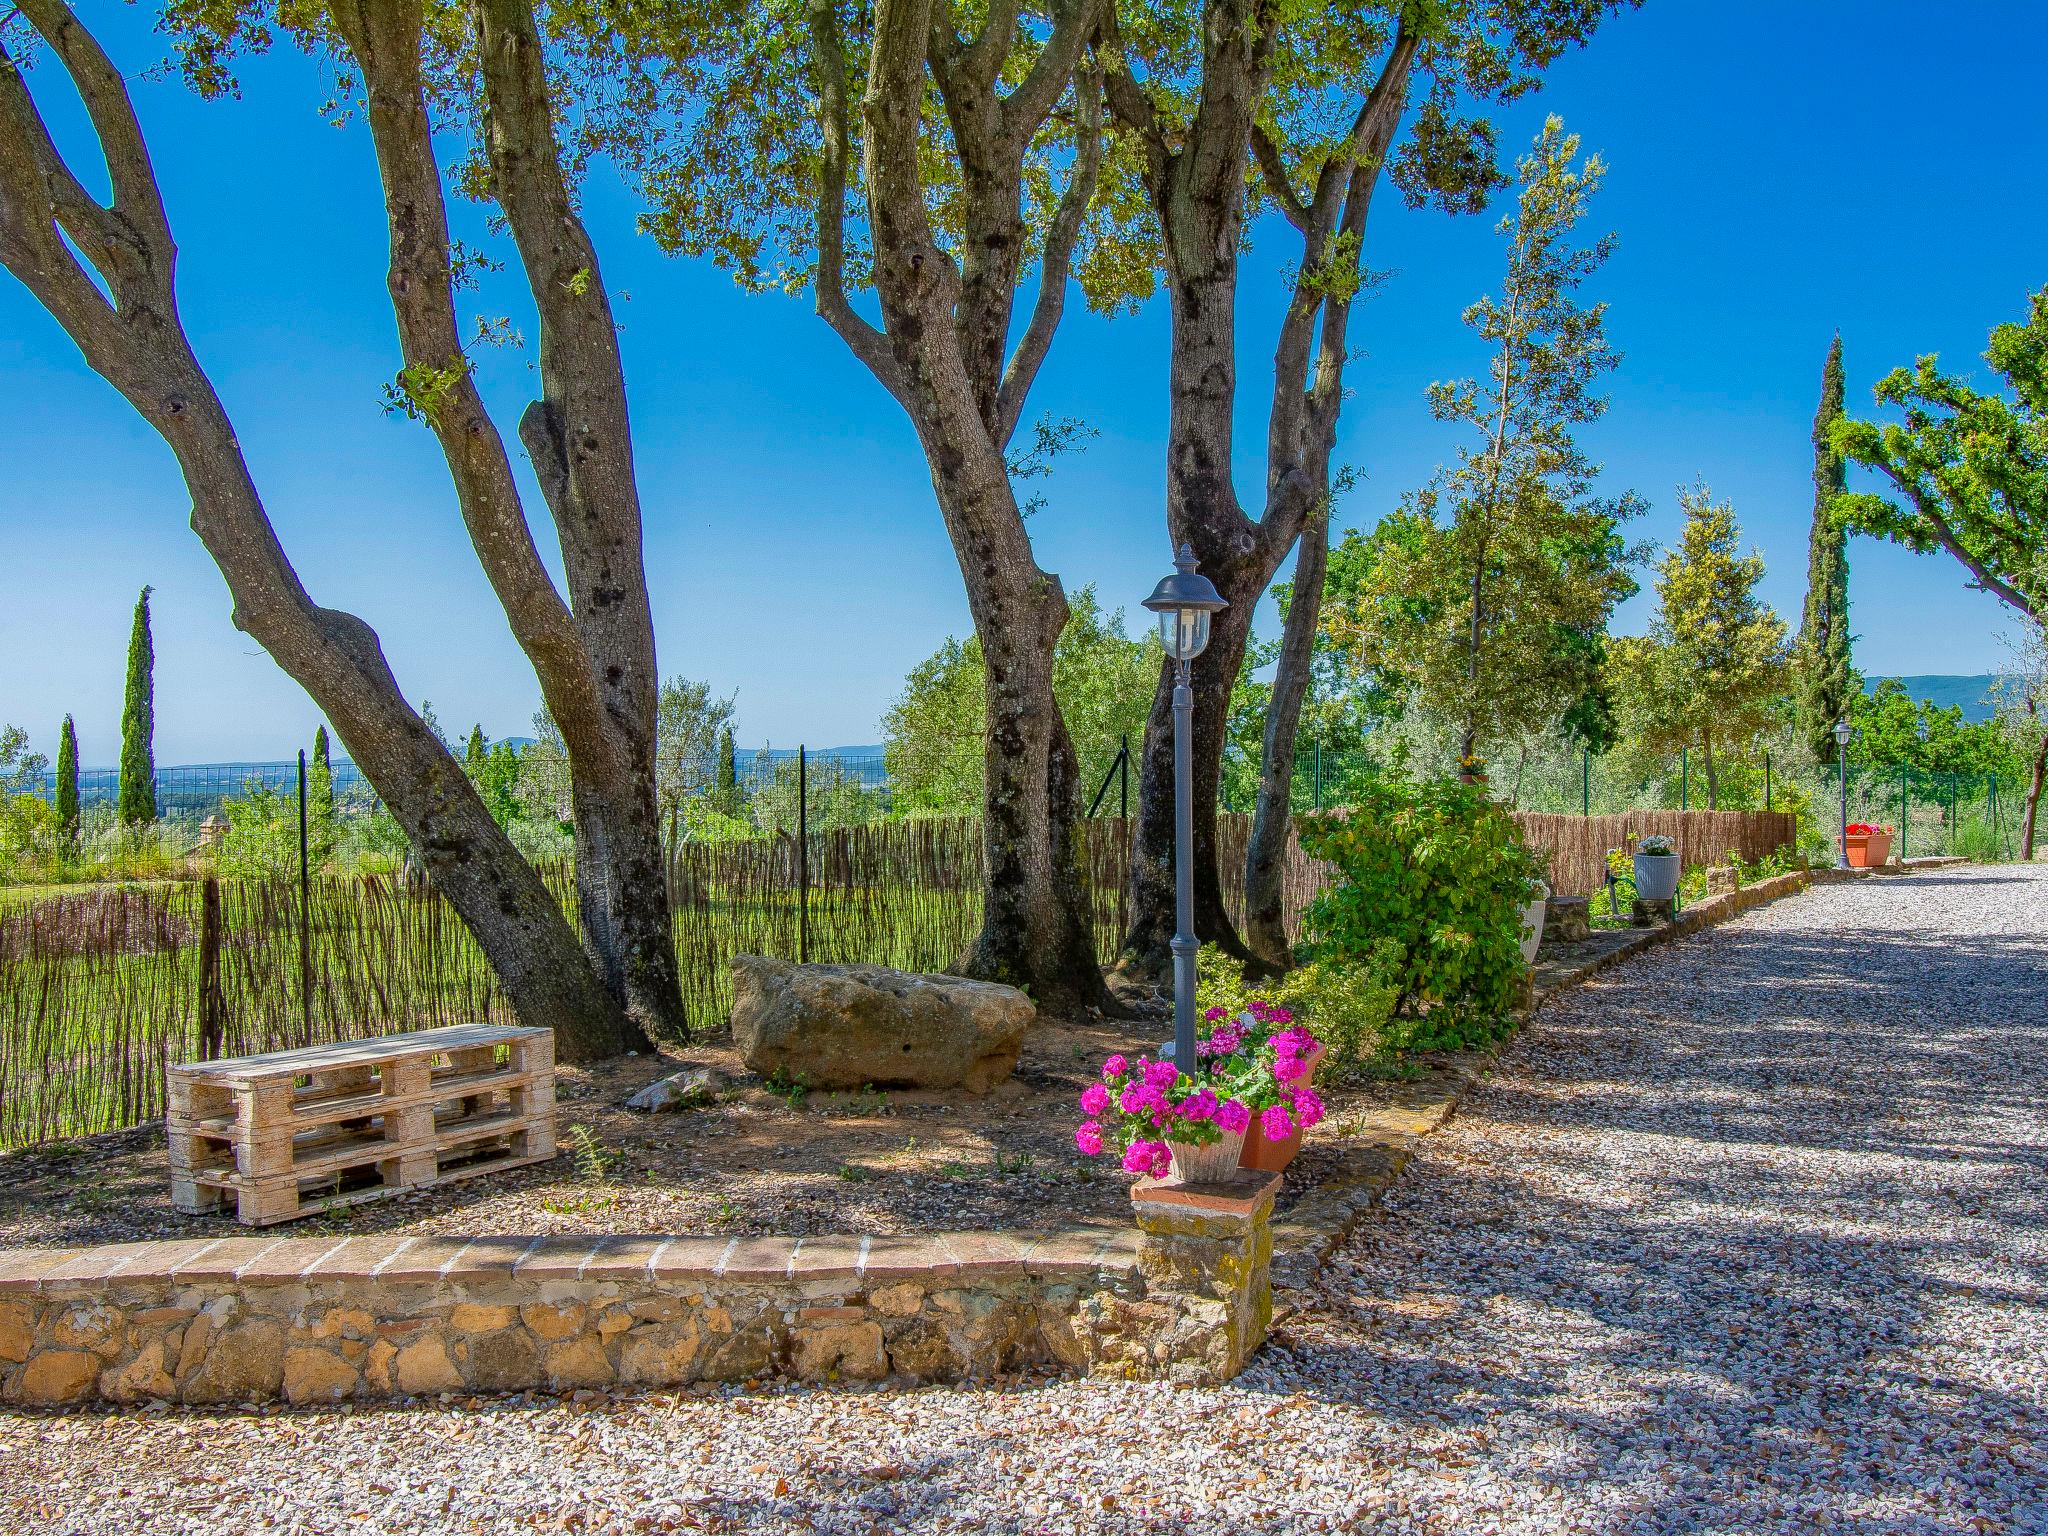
point(137, 801)
point(1827, 683)
point(473, 755)
point(67, 781)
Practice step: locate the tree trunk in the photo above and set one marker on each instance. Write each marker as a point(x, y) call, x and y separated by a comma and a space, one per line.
point(2034, 799)
point(1265, 861)
point(1036, 931)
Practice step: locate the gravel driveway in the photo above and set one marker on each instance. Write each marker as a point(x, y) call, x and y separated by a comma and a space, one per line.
point(1751, 1235)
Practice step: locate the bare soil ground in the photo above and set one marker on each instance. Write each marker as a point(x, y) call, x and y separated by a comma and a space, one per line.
point(758, 1160)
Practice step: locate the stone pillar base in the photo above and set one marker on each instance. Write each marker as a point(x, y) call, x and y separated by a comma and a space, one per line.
point(1207, 1251)
point(1646, 914)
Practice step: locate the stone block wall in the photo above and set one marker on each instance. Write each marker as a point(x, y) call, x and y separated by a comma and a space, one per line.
point(238, 1320)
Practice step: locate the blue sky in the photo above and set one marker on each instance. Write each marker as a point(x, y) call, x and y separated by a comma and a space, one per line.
point(1776, 172)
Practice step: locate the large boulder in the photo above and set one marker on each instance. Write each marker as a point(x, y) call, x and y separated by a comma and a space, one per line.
point(855, 1026)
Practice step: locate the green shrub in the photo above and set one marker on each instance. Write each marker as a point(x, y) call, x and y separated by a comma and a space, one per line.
point(1441, 871)
point(1346, 1004)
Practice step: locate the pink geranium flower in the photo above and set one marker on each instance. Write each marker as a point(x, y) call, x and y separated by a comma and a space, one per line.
point(1114, 1067)
point(1160, 1074)
point(1277, 1124)
point(1232, 1116)
point(1289, 1068)
point(1088, 1137)
point(1199, 1105)
point(1094, 1100)
point(1308, 1108)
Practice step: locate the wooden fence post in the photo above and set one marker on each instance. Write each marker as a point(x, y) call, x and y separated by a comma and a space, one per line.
point(212, 1000)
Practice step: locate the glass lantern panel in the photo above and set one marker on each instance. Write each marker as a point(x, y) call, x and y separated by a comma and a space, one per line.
point(1184, 632)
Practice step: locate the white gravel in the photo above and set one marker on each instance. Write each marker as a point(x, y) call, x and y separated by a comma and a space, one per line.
point(1747, 1237)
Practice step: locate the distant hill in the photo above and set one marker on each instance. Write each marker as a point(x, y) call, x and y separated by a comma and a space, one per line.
point(1973, 694)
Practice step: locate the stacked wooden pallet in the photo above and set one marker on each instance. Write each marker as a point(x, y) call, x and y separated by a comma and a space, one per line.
point(288, 1133)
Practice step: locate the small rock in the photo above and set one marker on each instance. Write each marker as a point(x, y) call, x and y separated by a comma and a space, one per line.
point(679, 1091)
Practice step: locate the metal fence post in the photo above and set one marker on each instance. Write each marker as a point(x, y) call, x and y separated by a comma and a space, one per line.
point(212, 1001)
point(1767, 781)
point(1123, 782)
point(1905, 810)
point(305, 913)
point(1586, 782)
point(1319, 775)
point(803, 856)
point(1684, 778)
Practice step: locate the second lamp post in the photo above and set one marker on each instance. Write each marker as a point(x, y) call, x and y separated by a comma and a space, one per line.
point(1184, 602)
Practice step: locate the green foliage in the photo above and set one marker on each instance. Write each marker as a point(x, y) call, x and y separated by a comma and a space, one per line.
point(262, 841)
point(493, 767)
point(1441, 871)
point(692, 746)
point(1709, 675)
point(1969, 469)
point(138, 722)
point(1827, 681)
point(320, 780)
point(67, 780)
point(421, 391)
point(1490, 590)
point(1347, 1003)
point(1102, 677)
point(726, 798)
point(1895, 730)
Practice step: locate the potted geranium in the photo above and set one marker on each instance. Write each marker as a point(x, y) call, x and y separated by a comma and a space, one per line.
point(1867, 847)
point(1656, 867)
point(1159, 1120)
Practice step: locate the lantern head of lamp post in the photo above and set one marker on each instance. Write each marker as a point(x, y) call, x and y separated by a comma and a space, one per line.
point(1845, 733)
point(1184, 602)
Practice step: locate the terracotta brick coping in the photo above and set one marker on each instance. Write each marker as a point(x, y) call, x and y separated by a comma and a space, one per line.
point(1066, 1254)
point(1240, 1196)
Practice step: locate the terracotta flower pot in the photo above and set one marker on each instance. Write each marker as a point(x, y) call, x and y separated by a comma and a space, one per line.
point(1868, 850)
point(1269, 1156)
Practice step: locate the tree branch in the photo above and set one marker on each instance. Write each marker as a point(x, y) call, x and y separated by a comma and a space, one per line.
point(1026, 108)
point(1056, 262)
point(866, 341)
point(1273, 168)
point(384, 38)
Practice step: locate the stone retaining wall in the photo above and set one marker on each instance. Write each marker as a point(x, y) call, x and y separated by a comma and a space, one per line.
point(233, 1320)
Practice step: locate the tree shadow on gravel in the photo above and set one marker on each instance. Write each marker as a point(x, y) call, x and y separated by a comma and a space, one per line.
point(1730, 1236)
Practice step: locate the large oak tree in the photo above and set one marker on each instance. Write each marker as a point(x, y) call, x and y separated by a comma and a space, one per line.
point(106, 272)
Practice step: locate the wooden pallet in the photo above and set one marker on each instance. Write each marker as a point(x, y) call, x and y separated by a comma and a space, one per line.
point(288, 1133)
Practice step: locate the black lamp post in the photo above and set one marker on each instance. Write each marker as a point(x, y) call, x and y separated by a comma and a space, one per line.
point(1184, 602)
point(1844, 734)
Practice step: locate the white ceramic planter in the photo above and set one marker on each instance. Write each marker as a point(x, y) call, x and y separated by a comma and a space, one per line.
point(1206, 1164)
point(1656, 876)
point(1532, 925)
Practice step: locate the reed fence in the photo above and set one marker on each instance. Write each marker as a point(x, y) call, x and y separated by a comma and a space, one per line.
point(98, 990)
point(1577, 845)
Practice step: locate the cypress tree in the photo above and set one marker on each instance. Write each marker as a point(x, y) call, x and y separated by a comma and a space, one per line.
point(137, 801)
point(726, 791)
point(67, 780)
point(320, 781)
point(1827, 682)
point(473, 754)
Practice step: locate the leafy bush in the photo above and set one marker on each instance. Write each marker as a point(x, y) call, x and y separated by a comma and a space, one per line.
point(1347, 1003)
point(1441, 871)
